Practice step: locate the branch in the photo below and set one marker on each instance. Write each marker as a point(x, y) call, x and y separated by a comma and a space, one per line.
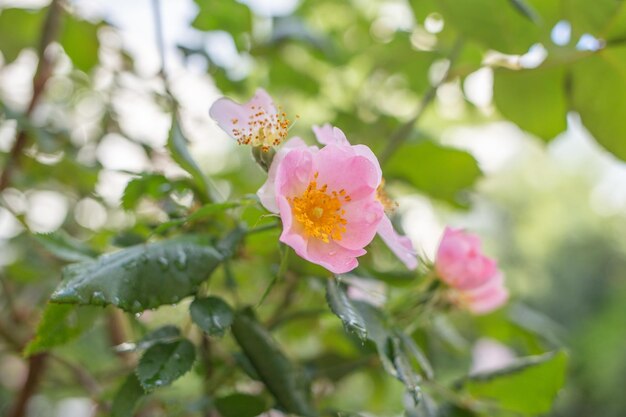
point(49, 34)
point(403, 132)
point(36, 367)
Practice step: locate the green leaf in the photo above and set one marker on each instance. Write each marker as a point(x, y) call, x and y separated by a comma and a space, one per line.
point(59, 325)
point(19, 29)
point(228, 15)
point(436, 170)
point(212, 315)
point(497, 24)
point(240, 405)
point(605, 19)
point(152, 185)
point(404, 370)
point(533, 99)
point(168, 333)
point(527, 387)
point(286, 382)
point(177, 146)
point(65, 247)
point(341, 305)
point(127, 397)
point(79, 39)
point(140, 277)
point(598, 86)
point(164, 363)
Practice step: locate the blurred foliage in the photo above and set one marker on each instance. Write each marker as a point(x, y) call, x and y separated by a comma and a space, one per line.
point(173, 296)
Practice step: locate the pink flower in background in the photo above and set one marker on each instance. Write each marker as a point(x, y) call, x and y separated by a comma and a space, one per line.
point(257, 122)
point(476, 279)
point(328, 200)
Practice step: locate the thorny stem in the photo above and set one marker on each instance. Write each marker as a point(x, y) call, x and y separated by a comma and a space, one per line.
point(50, 31)
point(117, 326)
point(404, 131)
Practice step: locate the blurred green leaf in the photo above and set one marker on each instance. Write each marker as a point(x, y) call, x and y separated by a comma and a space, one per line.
point(227, 15)
point(177, 146)
point(436, 170)
point(496, 24)
point(152, 185)
point(127, 397)
point(404, 371)
point(19, 29)
point(212, 315)
point(164, 363)
point(534, 99)
point(60, 324)
point(79, 39)
point(597, 87)
point(341, 305)
point(240, 405)
point(286, 382)
point(140, 277)
point(535, 377)
point(65, 247)
point(168, 333)
point(605, 19)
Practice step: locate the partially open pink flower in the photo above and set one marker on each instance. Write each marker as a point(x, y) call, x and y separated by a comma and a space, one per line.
point(256, 123)
point(328, 201)
point(476, 279)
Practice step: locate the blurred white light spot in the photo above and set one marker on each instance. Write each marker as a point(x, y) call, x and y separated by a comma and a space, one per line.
point(271, 7)
point(478, 87)
point(8, 130)
point(15, 200)
point(90, 214)
point(140, 117)
point(75, 407)
point(561, 33)
point(588, 42)
point(438, 70)
point(118, 153)
point(46, 211)
point(9, 225)
point(421, 224)
point(534, 57)
point(111, 185)
point(221, 48)
point(434, 23)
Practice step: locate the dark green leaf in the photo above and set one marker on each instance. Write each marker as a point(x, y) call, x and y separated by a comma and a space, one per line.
point(536, 377)
point(533, 99)
point(404, 370)
point(65, 247)
point(127, 397)
point(212, 315)
point(164, 363)
point(79, 39)
point(598, 85)
point(60, 324)
point(240, 405)
point(341, 305)
point(436, 170)
point(19, 29)
point(286, 382)
point(140, 277)
point(163, 334)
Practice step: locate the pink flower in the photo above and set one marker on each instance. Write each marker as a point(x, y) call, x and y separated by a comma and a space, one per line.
point(476, 279)
point(328, 202)
point(257, 122)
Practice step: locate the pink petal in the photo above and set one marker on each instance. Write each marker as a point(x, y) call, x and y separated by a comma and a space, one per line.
point(293, 235)
point(363, 217)
point(295, 172)
point(333, 257)
point(400, 245)
point(267, 192)
point(487, 298)
point(327, 134)
point(225, 111)
point(340, 167)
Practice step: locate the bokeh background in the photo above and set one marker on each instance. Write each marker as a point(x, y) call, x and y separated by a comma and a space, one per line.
point(501, 149)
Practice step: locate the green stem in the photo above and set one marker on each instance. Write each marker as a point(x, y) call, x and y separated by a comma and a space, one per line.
point(282, 269)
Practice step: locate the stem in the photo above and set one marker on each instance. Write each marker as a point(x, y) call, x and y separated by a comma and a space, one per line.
point(263, 228)
point(49, 34)
point(36, 367)
point(117, 325)
point(403, 132)
point(158, 28)
point(282, 269)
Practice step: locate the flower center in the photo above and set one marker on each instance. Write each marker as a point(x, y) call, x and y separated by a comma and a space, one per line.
point(320, 212)
point(381, 195)
point(261, 129)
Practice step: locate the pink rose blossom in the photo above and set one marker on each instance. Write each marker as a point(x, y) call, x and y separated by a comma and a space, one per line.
point(476, 279)
point(328, 201)
point(257, 122)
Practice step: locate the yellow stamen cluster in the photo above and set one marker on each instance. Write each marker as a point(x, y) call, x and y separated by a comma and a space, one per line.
point(320, 211)
point(388, 204)
point(261, 129)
